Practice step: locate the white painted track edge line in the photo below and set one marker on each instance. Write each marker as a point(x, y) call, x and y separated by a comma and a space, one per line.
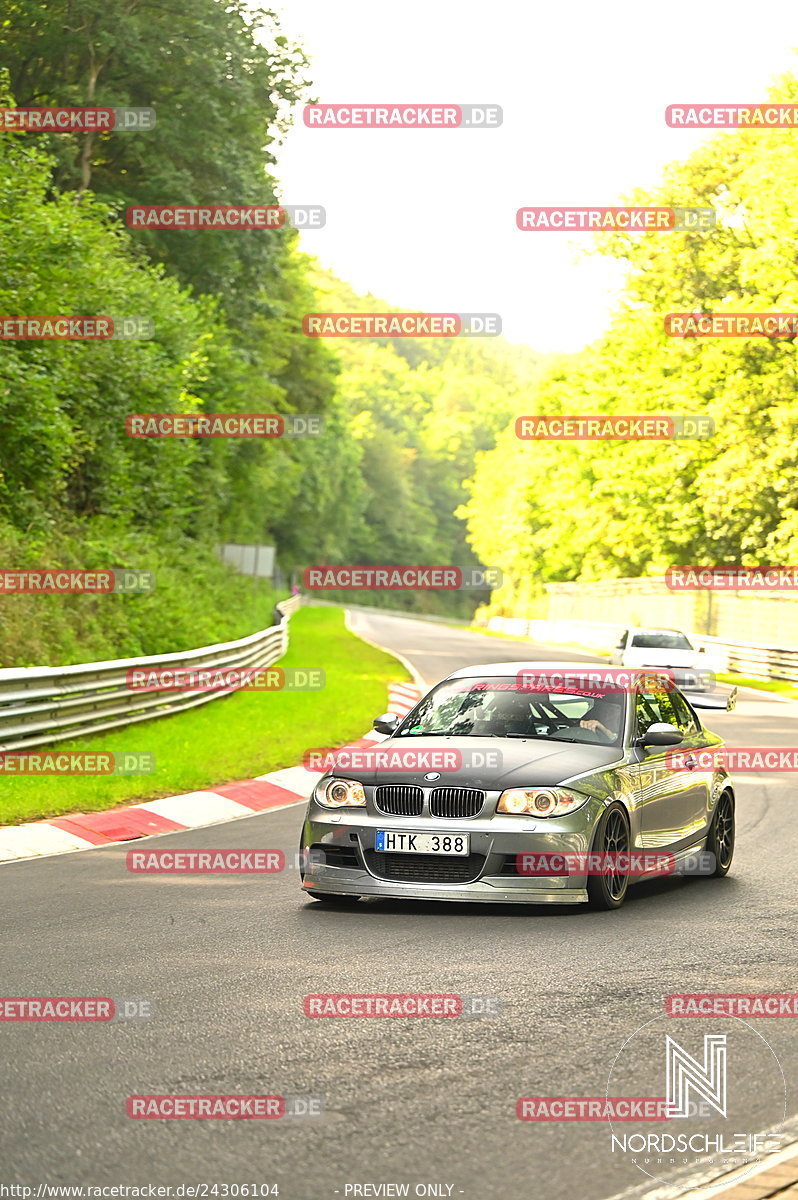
point(348, 614)
point(150, 837)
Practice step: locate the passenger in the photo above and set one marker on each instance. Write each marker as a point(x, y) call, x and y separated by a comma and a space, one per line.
point(509, 716)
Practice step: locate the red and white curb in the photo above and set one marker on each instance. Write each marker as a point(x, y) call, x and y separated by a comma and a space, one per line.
point(84, 831)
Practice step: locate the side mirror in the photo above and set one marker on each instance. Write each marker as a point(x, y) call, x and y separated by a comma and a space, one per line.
point(387, 723)
point(661, 734)
point(702, 649)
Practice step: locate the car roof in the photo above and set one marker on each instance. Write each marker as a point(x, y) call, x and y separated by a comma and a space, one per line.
point(655, 629)
point(513, 668)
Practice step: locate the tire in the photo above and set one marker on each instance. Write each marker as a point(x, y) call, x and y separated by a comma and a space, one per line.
point(720, 841)
point(333, 898)
point(609, 891)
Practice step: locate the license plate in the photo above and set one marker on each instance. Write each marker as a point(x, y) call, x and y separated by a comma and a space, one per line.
point(421, 843)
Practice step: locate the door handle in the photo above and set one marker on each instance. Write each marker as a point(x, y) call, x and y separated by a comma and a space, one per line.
point(691, 762)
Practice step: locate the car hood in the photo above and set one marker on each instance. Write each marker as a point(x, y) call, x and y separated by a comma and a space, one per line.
point(487, 763)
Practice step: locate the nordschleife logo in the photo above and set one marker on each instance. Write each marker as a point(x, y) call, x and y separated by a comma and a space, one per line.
point(722, 1094)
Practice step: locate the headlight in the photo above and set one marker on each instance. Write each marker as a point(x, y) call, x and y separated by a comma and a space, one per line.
point(340, 793)
point(540, 802)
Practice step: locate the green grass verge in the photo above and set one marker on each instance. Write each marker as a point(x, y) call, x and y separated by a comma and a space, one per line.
point(243, 735)
point(781, 686)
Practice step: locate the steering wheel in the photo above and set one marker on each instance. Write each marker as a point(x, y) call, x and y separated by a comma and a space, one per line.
point(590, 735)
point(587, 735)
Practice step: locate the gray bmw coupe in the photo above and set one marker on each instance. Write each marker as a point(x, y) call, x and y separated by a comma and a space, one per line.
point(525, 783)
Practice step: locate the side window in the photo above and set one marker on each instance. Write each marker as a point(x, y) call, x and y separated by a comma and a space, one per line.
point(644, 714)
point(651, 707)
point(684, 718)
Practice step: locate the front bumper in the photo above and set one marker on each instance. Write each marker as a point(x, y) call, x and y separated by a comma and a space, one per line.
point(339, 856)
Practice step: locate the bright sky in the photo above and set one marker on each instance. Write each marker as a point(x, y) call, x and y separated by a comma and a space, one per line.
point(426, 219)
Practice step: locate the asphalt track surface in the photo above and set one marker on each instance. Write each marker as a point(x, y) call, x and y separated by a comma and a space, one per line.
point(226, 961)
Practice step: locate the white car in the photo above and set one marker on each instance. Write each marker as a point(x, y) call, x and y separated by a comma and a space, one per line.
point(691, 666)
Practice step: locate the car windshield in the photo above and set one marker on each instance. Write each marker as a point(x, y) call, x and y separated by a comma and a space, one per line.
point(661, 640)
point(492, 707)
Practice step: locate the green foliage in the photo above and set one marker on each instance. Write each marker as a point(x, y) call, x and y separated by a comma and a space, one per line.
point(418, 462)
point(588, 510)
point(403, 419)
point(197, 600)
point(71, 480)
point(63, 404)
point(416, 412)
point(221, 79)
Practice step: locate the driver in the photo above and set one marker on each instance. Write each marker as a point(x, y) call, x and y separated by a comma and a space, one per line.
point(604, 717)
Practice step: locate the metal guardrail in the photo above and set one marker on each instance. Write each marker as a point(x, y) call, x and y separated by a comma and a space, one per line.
point(379, 611)
point(757, 660)
point(42, 705)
